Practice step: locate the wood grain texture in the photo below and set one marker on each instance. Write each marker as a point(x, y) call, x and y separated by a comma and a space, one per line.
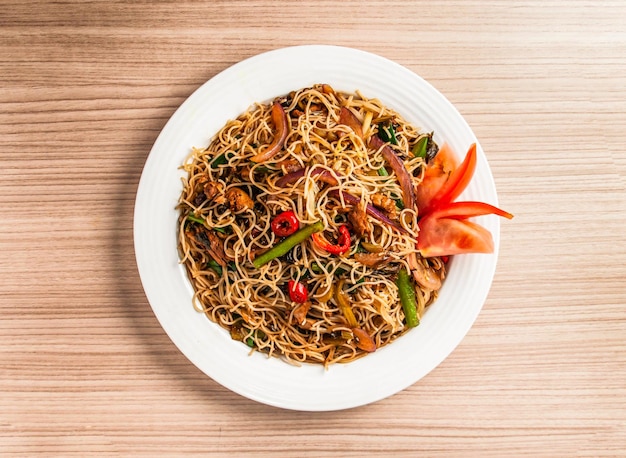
point(85, 368)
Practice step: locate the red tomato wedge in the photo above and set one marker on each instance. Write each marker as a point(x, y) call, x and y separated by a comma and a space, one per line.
point(448, 236)
point(444, 181)
point(436, 174)
point(446, 231)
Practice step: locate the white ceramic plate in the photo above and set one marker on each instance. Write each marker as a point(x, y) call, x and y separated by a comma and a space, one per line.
point(270, 380)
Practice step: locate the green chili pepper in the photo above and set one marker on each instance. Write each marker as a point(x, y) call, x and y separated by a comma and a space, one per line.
point(287, 244)
point(419, 150)
point(425, 147)
point(341, 299)
point(407, 298)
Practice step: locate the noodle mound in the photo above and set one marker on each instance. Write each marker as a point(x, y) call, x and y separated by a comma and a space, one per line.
point(320, 154)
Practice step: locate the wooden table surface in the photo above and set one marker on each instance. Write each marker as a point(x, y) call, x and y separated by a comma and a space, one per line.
point(86, 369)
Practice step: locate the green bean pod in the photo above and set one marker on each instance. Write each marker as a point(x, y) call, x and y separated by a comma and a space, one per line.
point(287, 244)
point(407, 298)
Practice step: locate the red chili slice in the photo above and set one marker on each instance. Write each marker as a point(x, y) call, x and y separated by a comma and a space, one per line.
point(297, 292)
point(285, 223)
point(343, 243)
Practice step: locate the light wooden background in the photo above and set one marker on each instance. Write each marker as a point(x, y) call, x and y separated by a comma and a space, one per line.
point(86, 370)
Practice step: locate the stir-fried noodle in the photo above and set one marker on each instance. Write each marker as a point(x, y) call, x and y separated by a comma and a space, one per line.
point(318, 153)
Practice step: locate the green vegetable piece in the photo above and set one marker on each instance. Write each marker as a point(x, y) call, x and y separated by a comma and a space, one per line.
point(339, 272)
point(263, 170)
point(193, 218)
point(258, 334)
point(196, 219)
point(387, 133)
point(212, 264)
point(315, 268)
point(220, 160)
point(383, 172)
point(361, 249)
point(287, 244)
point(420, 148)
point(407, 298)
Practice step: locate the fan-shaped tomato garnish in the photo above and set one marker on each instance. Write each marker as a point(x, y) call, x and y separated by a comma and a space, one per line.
point(444, 226)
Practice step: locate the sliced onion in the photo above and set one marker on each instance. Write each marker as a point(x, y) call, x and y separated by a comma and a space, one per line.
point(369, 209)
point(282, 129)
point(406, 184)
point(290, 178)
point(320, 174)
point(347, 118)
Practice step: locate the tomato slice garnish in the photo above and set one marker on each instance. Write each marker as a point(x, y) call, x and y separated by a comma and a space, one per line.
point(462, 210)
point(447, 236)
point(444, 182)
point(436, 174)
point(443, 224)
point(446, 231)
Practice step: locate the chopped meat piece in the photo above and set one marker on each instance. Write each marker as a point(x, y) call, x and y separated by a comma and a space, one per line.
point(199, 199)
point(198, 190)
point(213, 244)
point(424, 274)
point(289, 165)
point(244, 172)
point(327, 89)
point(371, 259)
point(238, 200)
point(358, 219)
point(299, 314)
point(384, 203)
point(212, 189)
